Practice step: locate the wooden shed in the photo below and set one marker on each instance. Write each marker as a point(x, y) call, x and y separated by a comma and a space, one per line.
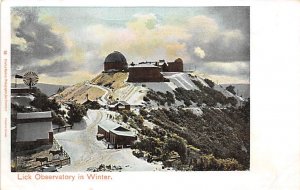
point(33, 130)
point(119, 106)
point(116, 134)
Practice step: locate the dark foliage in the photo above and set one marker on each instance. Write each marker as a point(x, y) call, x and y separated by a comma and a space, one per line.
point(210, 96)
point(210, 83)
point(93, 105)
point(58, 119)
point(42, 102)
point(160, 97)
point(149, 144)
point(76, 112)
point(246, 111)
point(230, 88)
point(210, 163)
point(178, 145)
point(217, 132)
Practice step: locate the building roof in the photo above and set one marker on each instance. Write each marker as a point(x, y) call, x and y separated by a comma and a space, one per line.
point(126, 133)
point(34, 115)
point(113, 104)
point(110, 126)
point(115, 57)
point(142, 65)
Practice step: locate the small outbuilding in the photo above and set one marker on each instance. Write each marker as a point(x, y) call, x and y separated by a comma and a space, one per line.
point(34, 129)
point(116, 134)
point(119, 106)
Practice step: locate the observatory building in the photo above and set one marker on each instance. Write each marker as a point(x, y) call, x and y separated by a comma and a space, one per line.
point(145, 73)
point(141, 72)
point(176, 66)
point(115, 62)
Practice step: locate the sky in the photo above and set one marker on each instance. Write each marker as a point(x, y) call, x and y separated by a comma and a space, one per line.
point(67, 45)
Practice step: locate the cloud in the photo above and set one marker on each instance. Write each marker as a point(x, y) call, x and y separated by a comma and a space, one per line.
point(204, 29)
point(220, 44)
point(224, 72)
point(72, 78)
point(229, 68)
point(41, 42)
point(58, 68)
point(199, 52)
point(142, 38)
point(32, 40)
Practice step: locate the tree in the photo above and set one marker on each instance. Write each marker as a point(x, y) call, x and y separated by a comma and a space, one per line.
point(76, 112)
point(125, 118)
point(230, 88)
point(42, 102)
point(57, 119)
point(93, 105)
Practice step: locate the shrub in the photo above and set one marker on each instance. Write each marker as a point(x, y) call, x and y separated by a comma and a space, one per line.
point(42, 102)
point(178, 145)
point(76, 112)
point(125, 118)
point(149, 144)
point(146, 99)
point(210, 83)
point(160, 97)
point(210, 163)
point(94, 105)
point(230, 88)
point(143, 112)
point(57, 119)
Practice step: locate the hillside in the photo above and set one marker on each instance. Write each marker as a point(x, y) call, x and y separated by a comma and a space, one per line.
point(188, 123)
point(78, 93)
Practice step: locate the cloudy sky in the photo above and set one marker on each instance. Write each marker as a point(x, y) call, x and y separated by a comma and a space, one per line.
point(68, 45)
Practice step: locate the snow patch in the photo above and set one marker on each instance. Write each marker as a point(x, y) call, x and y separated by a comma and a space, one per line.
point(182, 80)
point(197, 111)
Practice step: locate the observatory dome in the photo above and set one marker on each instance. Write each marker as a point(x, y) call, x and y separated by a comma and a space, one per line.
point(115, 57)
point(115, 61)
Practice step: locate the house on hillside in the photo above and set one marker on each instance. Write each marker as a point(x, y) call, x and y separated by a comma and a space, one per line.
point(116, 134)
point(34, 129)
point(119, 106)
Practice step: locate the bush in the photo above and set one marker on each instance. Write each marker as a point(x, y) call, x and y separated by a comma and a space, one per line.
point(125, 118)
point(42, 102)
point(146, 99)
point(149, 144)
point(76, 112)
point(94, 105)
point(210, 83)
point(143, 112)
point(178, 145)
point(57, 119)
point(210, 163)
point(230, 88)
point(160, 97)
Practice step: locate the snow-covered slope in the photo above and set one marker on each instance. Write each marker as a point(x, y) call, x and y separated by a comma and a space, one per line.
point(181, 80)
point(86, 151)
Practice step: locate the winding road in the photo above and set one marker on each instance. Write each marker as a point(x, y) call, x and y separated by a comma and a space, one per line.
point(86, 151)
